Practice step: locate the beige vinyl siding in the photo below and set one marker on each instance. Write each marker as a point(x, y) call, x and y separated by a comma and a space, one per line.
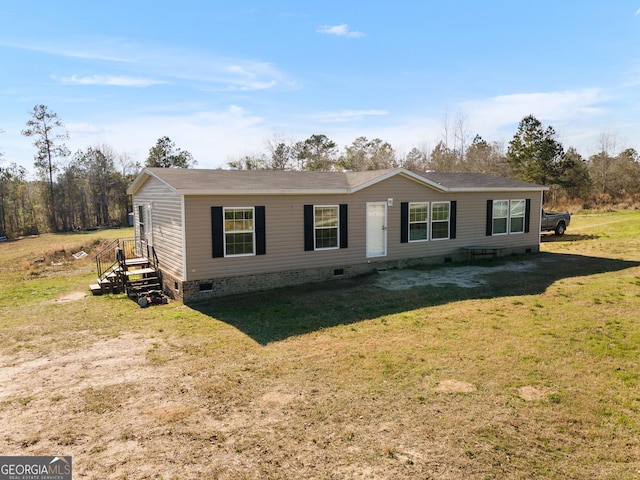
point(284, 237)
point(285, 229)
point(472, 218)
point(166, 223)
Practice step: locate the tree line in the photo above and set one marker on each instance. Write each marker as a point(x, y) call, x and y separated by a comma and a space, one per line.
point(534, 154)
point(88, 188)
point(73, 191)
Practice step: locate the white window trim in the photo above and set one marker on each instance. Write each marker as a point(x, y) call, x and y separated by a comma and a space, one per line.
point(426, 221)
point(493, 218)
point(524, 214)
point(253, 232)
point(448, 222)
point(337, 227)
point(508, 217)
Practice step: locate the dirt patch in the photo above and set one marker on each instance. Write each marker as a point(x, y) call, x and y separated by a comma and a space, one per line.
point(278, 398)
point(455, 386)
point(172, 413)
point(71, 297)
point(531, 393)
point(99, 403)
point(465, 276)
point(114, 360)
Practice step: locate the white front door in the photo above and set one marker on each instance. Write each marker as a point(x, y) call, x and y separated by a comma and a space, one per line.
point(376, 229)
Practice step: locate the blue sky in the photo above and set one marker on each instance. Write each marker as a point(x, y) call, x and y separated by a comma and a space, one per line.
point(222, 78)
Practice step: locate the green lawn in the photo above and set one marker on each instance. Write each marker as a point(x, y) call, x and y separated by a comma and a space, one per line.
point(533, 373)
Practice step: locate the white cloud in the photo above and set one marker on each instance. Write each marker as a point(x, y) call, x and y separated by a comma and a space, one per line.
point(215, 73)
point(110, 80)
point(96, 51)
point(212, 72)
point(341, 30)
point(345, 115)
point(494, 113)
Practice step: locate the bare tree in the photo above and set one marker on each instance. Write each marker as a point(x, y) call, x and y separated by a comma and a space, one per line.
point(281, 153)
point(128, 170)
point(455, 137)
point(602, 162)
point(461, 135)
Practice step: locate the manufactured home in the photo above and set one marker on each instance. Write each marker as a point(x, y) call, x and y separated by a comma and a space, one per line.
point(221, 232)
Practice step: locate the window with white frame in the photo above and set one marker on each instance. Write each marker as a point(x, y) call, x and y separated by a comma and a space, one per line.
point(500, 217)
point(516, 216)
point(418, 222)
point(239, 238)
point(325, 221)
point(509, 216)
point(440, 215)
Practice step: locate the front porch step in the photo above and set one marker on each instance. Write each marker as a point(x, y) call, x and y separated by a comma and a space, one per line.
point(105, 285)
point(143, 281)
point(132, 275)
point(143, 285)
point(140, 271)
point(133, 262)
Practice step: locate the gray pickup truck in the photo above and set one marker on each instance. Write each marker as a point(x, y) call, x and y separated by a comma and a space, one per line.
point(558, 222)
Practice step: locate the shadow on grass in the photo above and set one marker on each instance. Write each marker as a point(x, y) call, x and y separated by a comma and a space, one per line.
point(567, 237)
point(274, 315)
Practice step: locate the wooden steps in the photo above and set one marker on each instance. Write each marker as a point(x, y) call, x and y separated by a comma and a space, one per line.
point(143, 285)
point(140, 271)
point(134, 276)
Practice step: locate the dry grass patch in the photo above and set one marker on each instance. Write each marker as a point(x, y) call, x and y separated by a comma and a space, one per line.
point(455, 386)
point(524, 374)
point(531, 393)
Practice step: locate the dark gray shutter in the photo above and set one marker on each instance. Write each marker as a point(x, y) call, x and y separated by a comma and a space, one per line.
point(308, 228)
point(489, 231)
point(344, 237)
point(527, 215)
point(452, 219)
point(404, 222)
point(217, 232)
point(261, 241)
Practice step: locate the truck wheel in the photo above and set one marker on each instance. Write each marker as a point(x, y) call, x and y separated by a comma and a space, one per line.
point(560, 229)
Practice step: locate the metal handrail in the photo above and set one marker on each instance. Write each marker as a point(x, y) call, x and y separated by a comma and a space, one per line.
point(101, 258)
point(152, 257)
point(107, 259)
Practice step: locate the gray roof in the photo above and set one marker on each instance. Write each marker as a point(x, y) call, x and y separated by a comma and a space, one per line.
point(475, 180)
point(279, 182)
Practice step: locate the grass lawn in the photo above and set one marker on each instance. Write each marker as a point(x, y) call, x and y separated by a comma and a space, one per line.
point(531, 373)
